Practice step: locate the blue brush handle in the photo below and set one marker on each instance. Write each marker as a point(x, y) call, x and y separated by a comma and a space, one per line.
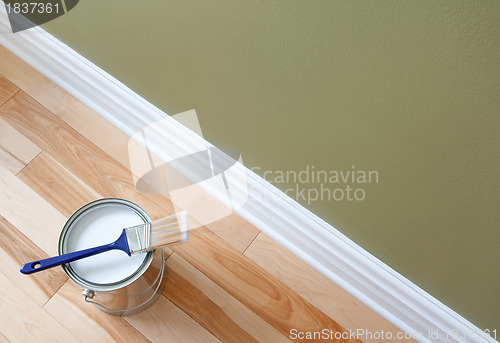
point(32, 267)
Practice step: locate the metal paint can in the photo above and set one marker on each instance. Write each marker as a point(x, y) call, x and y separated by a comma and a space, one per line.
point(117, 284)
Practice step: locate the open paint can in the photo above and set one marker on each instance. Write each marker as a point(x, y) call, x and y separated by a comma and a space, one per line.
point(116, 283)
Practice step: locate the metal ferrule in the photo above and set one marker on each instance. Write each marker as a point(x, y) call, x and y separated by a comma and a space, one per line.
point(139, 238)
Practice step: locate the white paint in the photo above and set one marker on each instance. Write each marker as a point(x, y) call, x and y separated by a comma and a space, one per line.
point(361, 274)
point(98, 226)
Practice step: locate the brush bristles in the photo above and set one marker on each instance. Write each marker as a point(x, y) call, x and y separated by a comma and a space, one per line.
point(159, 233)
point(170, 230)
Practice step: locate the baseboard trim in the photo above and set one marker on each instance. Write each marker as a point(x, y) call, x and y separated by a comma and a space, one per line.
point(374, 283)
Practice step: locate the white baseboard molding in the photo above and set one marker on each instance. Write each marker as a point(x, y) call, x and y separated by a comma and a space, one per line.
point(388, 293)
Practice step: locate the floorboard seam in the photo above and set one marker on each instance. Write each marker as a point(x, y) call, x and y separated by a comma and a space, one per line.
point(65, 282)
point(7, 100)
point(19, 172)
point(253, 240)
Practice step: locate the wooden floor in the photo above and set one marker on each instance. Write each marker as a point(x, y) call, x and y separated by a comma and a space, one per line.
point(229, 283)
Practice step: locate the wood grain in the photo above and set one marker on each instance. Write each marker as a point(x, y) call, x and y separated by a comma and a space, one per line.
point(165, 322)
point(48, 178)
point(77, 154)
point(86, 321)
point(7, 89)
point(252, 286)
point(213, 307)
point(15, 250)
point(97, 130)
point(10, 161)
point(316, 288)
point(29, 213)
point(16, 151)
point(235, 230)
point(202, 208)
point(24, 321)
point(30, 80)
point(80, 117)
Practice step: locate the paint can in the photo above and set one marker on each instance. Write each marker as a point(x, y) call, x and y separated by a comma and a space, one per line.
point(116, 283)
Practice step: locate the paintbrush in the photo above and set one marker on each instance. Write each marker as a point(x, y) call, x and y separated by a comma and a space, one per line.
point(133, 240)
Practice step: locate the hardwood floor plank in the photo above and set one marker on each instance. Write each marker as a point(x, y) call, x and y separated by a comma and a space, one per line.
point(29, 213)
point(235, 230)
point(11, 162)
point(15, 250)
point(82, 158)
point(33, 82)
point(316, 288)
point(251, 285)
point(7, 89)
point(86, 321)
point(196, 304)
point(24, 321)
point(15, 149)
point(80, 117)
point(48, 178)
point(213, 307)
point(97, 130)
point(164, 322)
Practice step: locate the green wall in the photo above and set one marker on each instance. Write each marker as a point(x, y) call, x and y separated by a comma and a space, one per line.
point(410, 89)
